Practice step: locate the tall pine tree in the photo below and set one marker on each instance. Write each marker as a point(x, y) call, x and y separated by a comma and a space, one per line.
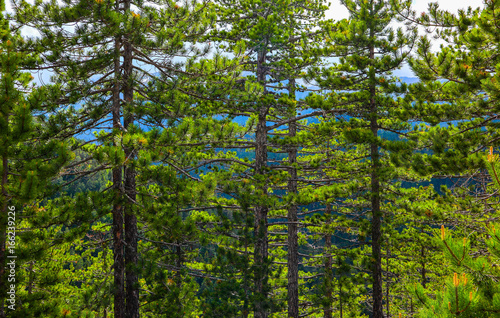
point(362, 86)
point(26, 163)
point(110, 59)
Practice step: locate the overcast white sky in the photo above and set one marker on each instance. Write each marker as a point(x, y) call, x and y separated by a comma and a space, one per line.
point(337, 12)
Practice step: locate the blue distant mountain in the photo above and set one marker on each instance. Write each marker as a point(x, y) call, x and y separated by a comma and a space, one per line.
point(242, 119)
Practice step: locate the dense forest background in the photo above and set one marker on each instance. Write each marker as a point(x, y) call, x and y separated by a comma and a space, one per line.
point(248, 158)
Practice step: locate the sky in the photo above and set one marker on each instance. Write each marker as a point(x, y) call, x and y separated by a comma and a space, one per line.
point(337, 12)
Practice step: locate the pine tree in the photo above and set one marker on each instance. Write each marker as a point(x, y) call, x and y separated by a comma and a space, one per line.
point(363, 89)
point(459, 84)
point(280, 40)
point(300, 52)
point(27, 164)
point(473, 291)
point(112, 64)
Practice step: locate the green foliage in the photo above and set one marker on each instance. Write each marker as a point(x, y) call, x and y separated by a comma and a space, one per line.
point(479, 297)
point(27, 166)
point(474, 293)
point(131, 163)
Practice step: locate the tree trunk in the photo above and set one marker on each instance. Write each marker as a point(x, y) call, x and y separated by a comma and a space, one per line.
point(131, 258)
point(261, 210)
point(375, 204)
point(376, 231)
point(261, 244)
point(119, 266)
point(293, 245)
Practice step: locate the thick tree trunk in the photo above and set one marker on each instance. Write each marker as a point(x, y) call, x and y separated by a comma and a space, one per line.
point(131, 257)
point(261, 210)
point(376, 233)
point(261, 244)
point(293, 245)
point(119, 266)
point(375, 205)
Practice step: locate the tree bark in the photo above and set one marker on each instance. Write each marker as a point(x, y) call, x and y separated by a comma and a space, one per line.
point(375, 202)
point(119, 266)
point(261, 210)
point(131, 254)
point(131, 257)
point(293, 245)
